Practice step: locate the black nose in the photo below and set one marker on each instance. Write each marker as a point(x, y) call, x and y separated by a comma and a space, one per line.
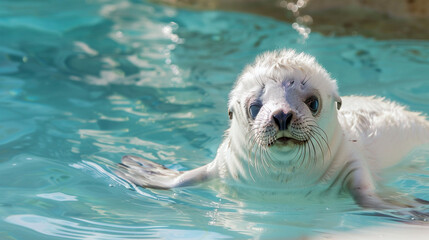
point(282, 119)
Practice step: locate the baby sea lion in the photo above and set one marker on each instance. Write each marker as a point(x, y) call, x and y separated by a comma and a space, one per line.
point(289, 129)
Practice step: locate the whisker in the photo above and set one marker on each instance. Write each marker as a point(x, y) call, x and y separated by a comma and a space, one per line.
point(320, 140)
point(263, 135)
point(313, 156)
point(325, 140)
point(314, 137)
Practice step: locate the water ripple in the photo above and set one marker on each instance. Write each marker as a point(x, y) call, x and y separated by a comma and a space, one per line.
point(84, 85)
point(58, 196)
point(77, 228)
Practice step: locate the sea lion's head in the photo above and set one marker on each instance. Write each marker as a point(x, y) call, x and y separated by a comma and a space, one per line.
point(284, 102)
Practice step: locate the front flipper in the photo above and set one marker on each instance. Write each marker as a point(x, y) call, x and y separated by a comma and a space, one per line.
point(145, 173)
point(362, 188)
point(148, 174)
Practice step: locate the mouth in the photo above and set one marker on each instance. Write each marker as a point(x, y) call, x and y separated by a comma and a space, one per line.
point(283, 141)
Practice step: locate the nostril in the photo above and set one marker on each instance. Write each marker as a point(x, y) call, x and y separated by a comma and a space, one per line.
point(282, 120)
point(288, 119)
point(276, 120)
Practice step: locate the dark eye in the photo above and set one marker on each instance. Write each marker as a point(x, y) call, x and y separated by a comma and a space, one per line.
point(313, 104)
point(254, 110)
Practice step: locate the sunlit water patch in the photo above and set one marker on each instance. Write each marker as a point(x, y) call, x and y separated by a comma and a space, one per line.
point(83, 83)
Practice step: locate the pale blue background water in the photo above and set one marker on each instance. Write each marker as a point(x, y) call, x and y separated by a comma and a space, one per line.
point(84, 82)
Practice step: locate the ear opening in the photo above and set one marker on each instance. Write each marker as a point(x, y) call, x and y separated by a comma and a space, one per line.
point(338, 101)
point(231, 106)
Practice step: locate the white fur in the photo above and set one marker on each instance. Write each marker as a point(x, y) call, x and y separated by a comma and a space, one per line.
point(384, 131)
point(366, 135)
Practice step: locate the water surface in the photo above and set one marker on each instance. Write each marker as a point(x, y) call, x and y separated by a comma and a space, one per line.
point(83, 83)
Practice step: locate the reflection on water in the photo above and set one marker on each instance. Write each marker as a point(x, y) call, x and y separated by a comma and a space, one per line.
point(82, 86)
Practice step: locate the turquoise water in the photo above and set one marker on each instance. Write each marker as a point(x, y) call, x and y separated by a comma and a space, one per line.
point(83, 83)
